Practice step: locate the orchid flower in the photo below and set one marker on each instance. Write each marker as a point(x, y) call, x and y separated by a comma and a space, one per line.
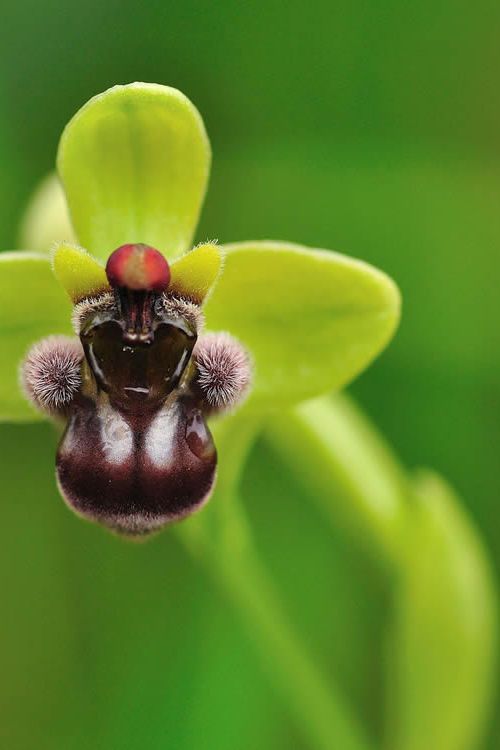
point(137, 380)
point(142, 346)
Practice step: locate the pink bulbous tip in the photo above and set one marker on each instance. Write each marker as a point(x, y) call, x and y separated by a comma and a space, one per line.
point(224, 370)
point(138, 267)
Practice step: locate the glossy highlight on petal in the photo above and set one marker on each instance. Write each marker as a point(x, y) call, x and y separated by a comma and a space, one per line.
point(138, 356)
point(137, 453)
point(135, 472)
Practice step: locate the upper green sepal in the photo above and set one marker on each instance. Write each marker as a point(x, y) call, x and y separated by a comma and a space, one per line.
point(134, 162)
point(311, 319)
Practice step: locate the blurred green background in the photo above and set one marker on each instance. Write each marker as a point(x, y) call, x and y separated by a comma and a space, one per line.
point(369, 128)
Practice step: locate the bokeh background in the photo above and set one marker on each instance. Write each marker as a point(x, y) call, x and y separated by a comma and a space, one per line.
point(369, 128)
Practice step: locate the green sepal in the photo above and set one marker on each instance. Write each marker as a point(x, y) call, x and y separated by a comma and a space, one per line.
point(135, 162)
point(78, 272)
point(46, 217)
point(311, 319)
point(194, 275)
point(32, 305)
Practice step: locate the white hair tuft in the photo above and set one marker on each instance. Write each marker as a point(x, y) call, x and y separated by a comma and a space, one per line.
point(224, 370)
point(50, 373)
point(102, 303)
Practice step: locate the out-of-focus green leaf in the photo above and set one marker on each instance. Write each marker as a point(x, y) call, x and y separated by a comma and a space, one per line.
point(32, 305)
point(311, 319)
point(443, 656)
point(347, 469)
point(135, 162)
point(46, 218)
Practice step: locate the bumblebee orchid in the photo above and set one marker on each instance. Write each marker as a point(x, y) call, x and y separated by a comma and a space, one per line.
point(137, 380)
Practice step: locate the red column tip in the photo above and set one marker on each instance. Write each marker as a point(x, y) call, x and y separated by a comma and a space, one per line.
point(138, 267)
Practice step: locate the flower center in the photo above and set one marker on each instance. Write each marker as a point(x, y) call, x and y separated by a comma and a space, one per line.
point(135, 349)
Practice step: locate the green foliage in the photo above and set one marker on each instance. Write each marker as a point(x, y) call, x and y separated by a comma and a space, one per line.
point(441, 648)
point(331, 444)
point(442, 654)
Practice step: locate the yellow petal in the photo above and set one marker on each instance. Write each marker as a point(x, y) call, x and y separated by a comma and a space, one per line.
point(194, 275)
point(78, 272)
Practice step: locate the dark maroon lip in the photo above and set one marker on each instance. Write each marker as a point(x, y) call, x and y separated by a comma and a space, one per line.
point(133, 372)
point(136, 391)
point(135, 473)
point(137, 452)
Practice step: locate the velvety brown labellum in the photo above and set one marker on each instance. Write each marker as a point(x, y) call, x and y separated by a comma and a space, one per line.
point(137, 474)
point(136, 453)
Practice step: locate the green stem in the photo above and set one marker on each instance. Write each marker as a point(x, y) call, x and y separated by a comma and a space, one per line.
point(347, 469)
point(320, 711)
point(220, 537)
point(444, 618)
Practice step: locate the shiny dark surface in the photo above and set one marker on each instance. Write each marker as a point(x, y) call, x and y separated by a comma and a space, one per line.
point(136, 473)
point(135, 374)
point(136, 354)
point(136, 452)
